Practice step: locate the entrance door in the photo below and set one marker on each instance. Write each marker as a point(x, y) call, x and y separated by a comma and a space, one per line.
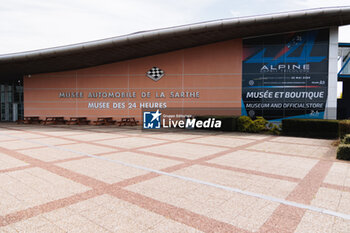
point(11, 102)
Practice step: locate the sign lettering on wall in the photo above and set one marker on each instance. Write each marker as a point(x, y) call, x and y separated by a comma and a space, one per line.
point(109, 98)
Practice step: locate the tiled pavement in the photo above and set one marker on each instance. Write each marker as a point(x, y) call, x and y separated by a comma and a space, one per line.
point(70, 179)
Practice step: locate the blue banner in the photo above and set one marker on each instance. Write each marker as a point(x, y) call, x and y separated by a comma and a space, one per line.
point(286, 75)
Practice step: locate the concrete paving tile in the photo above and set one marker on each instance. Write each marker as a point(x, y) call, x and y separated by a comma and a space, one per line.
point(172, 226)
point(102, 170)
point(184, 150)
point(142, 160)
point(48, 154)
point(8, 229)
point(5, 137)
point(344, 204)
point(90, 136)
point(316, 222)
point(197, 132)
point(56, 215)
point(131, 142)
point(339, 174)
point(120, 216)
point(83, 206)
point(127, 225)
point(167, 184)
point(49, 228)
point(44, 181)
point(292, 149)
point(245, 135)
point(232, 208)
point(263, 185)
point(51, 141)
point(34, 186)
point(104, 199)
point(77, 223)
point(305, 141)
point(88, 148)
point(7, 162)
point(270, 163)
point(96, 212)
point(332, 199)
point(143, 217)
point(31, 224)
point(62, 132)
point(341, 225)
point(25, 136)
point(15, 145)
point(247, 223)
point(327, 198)
point(9, 136)
point(221, 210)
point(171, 136)
point(222, 141)
point(113, 222)
point(9, 203)
point(15, 130)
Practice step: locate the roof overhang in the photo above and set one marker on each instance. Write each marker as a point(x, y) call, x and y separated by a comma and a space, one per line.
point(167, 39)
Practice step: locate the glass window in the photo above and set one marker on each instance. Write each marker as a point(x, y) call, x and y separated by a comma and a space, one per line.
point(11, 94)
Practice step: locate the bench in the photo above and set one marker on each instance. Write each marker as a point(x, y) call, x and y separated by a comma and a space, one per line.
point(78, 121)
point(128, 121)
point(104, 121)
point(54, 120)
point(30, 120)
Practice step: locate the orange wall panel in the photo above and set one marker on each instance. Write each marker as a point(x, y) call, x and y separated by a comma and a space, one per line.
point(213, 71)
point(99, 81)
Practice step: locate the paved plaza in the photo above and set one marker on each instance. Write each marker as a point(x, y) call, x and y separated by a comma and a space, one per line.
point(121, 179)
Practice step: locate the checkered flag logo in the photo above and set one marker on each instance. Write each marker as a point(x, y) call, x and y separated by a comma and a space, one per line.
point(155, 73)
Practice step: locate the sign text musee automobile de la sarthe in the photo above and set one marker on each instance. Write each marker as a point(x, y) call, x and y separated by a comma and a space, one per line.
point(120, 96)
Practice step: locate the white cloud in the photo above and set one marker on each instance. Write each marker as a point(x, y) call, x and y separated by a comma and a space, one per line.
point(34, 24)
point(322, 3)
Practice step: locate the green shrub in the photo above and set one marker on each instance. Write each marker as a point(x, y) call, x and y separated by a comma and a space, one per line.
point(246, 124)
point(315, 128)
point(343, 152)
point(344, 128)
point(275, 129)
point(346, 139)
point(228, 123)
point(260, 124)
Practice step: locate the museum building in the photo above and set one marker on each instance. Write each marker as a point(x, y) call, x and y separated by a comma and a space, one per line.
point(282, 65)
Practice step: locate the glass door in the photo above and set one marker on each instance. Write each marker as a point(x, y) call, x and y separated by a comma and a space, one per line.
point(11, 102)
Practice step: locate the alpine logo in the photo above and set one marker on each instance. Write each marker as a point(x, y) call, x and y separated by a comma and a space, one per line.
point(286, 60)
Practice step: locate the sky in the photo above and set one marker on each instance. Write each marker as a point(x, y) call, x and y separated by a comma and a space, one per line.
point(35, 24)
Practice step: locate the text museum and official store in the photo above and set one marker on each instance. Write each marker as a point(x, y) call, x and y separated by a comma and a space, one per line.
point(271, 65)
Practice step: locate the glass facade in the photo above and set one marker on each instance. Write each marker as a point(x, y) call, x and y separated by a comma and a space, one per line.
point(11, 99)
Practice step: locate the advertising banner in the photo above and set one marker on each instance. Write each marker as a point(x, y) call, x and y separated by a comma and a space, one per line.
point(286, 76)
